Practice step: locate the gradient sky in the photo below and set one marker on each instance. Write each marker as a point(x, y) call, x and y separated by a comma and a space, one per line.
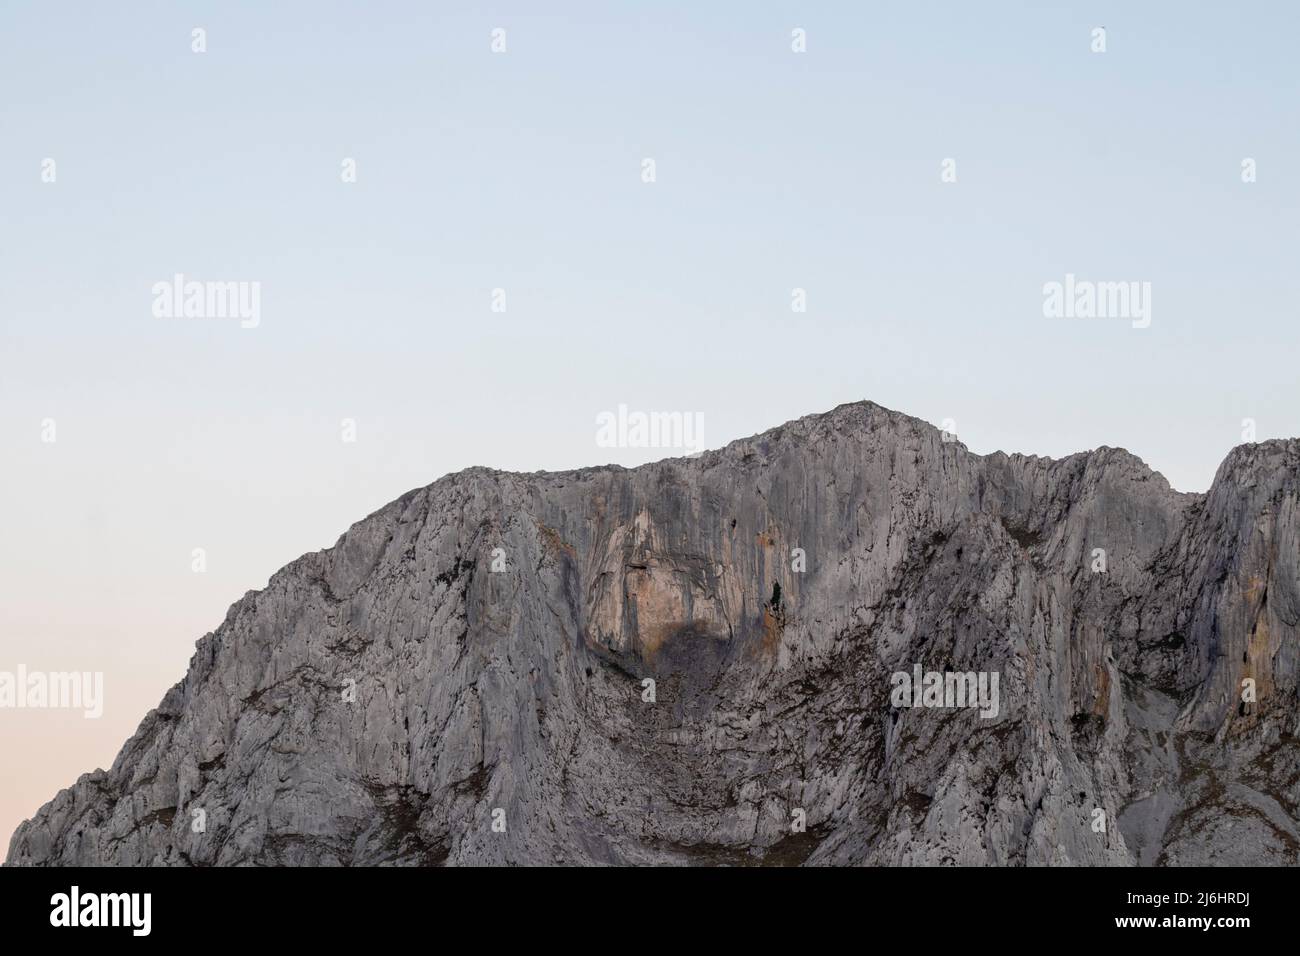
point(522, 171)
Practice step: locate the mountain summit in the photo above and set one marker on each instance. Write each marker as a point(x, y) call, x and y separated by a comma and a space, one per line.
point(844, 641)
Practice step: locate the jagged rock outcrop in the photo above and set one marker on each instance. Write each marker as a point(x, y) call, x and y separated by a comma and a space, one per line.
point(390, 699)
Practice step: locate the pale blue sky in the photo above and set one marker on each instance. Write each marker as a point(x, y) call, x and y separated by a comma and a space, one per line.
point(522, 171)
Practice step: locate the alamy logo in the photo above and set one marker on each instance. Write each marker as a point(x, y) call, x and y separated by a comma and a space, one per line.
point(949, 689)
point(672, 430)
point(53, 690)
point(191, 299)
point(1084, 299)
point(103, 909)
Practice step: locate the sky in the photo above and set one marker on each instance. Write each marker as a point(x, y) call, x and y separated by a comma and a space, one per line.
point(461, 259)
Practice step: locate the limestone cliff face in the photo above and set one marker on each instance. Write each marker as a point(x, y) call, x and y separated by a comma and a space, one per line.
point(481, 644)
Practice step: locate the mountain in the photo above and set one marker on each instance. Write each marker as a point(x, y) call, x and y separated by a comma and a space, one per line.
point(461, 679)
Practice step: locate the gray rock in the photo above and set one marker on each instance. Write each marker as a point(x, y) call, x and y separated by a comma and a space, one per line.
point(388, 700)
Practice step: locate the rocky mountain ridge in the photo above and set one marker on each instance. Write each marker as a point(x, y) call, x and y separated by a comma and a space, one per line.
point(462, 678)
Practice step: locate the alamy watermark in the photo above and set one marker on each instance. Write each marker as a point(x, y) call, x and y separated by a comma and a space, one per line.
point(1085, 299)
point(53, 690)
point(75, 908)
point(191, 299)
point(940, 689)
point(683, 431)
